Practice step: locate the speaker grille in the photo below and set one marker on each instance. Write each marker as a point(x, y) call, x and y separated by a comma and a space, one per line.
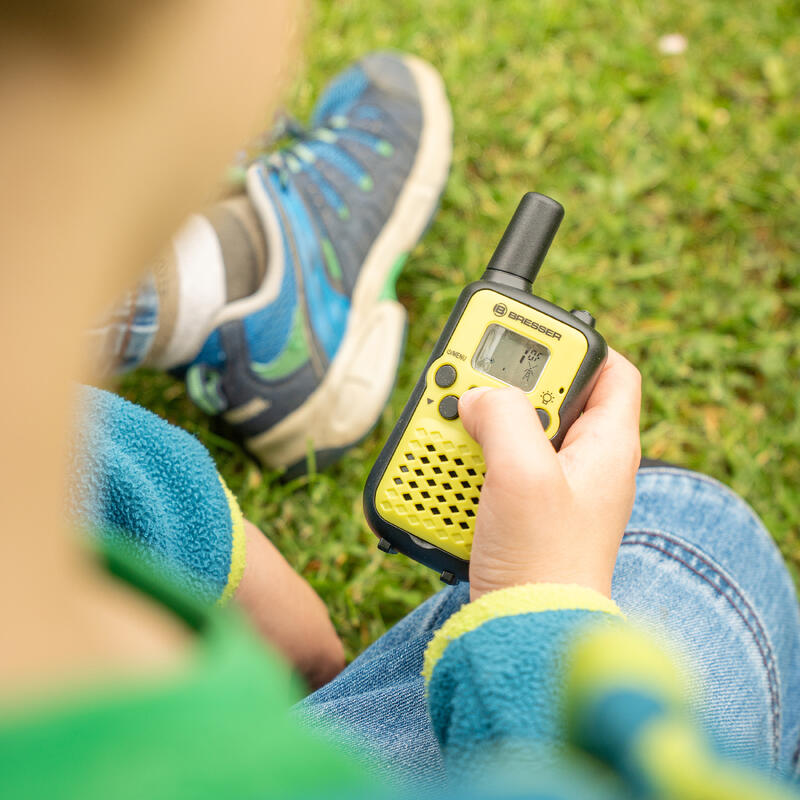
point(433, 487)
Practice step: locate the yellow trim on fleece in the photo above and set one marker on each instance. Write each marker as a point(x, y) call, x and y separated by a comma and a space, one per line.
point(237, 546)
point(527, 599)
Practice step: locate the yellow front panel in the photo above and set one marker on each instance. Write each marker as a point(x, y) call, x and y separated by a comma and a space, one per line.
point(432, 483)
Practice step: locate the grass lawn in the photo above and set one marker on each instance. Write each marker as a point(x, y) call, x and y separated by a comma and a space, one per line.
point(680, 175)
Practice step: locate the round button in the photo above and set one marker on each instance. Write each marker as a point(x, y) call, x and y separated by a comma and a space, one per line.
point(544, 417)
point(448, 406)
point(445, 376)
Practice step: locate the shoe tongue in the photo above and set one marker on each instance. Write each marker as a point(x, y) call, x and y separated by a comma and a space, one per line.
point(340, 95)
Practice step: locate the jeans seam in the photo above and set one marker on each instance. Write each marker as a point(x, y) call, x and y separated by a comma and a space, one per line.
point(759, 635)
point(796, 760)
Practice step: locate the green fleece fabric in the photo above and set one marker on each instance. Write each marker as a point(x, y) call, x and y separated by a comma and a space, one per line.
point(215, 726)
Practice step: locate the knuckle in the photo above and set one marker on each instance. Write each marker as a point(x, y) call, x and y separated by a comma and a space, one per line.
point(623, 460)
point(633, 455)
point(636, 457)
point(637, 384)
point(629, 370)
point(632, 373)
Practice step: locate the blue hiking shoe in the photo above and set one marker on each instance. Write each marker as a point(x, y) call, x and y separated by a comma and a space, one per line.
point(309, 360)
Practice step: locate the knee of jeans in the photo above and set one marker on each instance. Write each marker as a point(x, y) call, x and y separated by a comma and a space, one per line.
point(702, 510)
point(685, 518)
point(723, 639)
point(713, 520)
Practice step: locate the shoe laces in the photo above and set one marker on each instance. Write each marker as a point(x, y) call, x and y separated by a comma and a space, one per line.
point(309, 145)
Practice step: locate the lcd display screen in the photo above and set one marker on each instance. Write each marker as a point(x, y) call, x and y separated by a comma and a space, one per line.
point(510, 357)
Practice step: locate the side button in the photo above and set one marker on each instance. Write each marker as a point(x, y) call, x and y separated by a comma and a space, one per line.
point(448, 577)
point(544, 417)
point(448, 406)
point(584, 316)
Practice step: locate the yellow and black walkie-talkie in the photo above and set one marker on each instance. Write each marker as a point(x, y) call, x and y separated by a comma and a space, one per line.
point(422, 495)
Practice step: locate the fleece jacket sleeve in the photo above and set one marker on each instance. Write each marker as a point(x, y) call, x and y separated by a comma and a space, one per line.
point(149, 485)
point(543, 691)
point(494, 675)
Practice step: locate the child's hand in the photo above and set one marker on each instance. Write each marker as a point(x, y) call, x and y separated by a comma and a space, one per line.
point(547, 516)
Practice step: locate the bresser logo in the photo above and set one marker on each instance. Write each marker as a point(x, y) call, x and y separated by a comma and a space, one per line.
point(500, 309)
point(535, 325)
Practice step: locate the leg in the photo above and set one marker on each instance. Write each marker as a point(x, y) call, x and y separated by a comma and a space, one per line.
point(696, 565)
point(310, 358)
point(378, 702)
point(216, 258)
point(122, 339)
point(278, 306)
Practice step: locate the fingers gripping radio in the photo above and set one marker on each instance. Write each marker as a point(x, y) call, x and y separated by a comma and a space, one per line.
point(422, 494)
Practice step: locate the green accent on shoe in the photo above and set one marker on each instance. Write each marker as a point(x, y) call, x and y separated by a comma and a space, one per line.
point(344, 213)
point(294, 355)
point(388, 292)
point(205, 395)
point(331, 260)
point(366, 184)
point(385, 148)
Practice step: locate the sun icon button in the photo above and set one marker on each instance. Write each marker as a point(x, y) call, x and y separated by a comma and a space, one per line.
point(547, 398)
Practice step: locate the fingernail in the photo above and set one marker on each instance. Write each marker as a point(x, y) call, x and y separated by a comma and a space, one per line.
point(471, 395)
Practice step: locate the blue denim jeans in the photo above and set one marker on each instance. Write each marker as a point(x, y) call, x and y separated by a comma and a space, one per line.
point(121, 341)
point(696, 567)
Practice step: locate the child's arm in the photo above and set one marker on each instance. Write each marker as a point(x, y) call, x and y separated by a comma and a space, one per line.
point(137, 478)
point(288, 612)
point(547, 533)
point(570, 700)
point(541, 659)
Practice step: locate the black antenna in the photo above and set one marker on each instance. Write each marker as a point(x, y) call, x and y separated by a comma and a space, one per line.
point(525, 243)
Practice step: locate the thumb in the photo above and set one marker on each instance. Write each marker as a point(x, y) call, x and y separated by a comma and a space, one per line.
point(504, 423)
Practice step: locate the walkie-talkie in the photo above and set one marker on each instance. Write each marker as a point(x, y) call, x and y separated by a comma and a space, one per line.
point(422, 495)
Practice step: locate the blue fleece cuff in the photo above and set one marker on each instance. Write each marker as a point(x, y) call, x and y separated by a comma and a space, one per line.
point(496, 670)
point(137, 478)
